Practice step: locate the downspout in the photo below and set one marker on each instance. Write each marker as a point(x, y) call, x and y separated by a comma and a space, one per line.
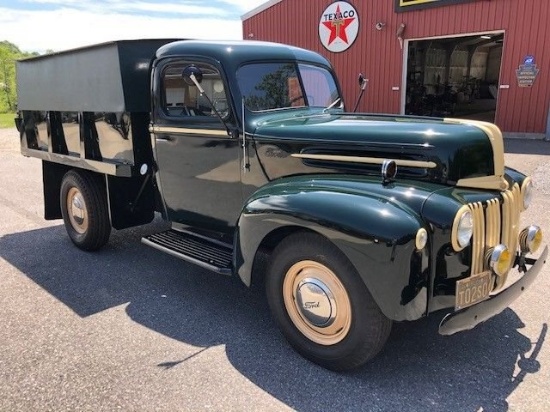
point(547, 137)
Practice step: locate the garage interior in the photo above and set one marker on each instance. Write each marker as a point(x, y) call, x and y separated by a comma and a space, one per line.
point(454, 77)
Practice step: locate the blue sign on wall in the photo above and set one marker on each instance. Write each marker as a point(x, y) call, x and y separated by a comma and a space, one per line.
point(527, 72)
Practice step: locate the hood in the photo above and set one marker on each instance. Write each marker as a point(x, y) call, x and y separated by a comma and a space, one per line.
point(447, 151)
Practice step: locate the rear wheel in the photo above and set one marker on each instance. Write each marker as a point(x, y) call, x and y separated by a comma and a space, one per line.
point(322, 306)
point(84, 208)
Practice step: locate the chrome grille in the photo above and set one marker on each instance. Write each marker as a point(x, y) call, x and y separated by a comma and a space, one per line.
point(478, 238)
point(495, 221)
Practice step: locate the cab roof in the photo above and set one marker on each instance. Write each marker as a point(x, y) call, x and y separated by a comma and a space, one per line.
point(235, 53)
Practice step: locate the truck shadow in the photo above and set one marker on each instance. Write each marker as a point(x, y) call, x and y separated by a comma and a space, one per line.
point(418, 369)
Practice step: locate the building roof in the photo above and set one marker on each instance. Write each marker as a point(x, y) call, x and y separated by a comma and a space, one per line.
point(259, 9)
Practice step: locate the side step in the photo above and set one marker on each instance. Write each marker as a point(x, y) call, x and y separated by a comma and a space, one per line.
point(208, 254)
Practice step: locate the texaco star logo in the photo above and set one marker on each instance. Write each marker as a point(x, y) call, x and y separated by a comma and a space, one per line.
point(339, 26)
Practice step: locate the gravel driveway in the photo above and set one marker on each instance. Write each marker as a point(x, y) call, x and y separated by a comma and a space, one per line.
point(129, 328)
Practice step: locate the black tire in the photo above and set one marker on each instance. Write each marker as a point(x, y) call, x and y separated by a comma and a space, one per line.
point(84, 208)
point(303, 267)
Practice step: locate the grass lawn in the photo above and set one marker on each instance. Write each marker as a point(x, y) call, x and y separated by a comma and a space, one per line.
point(6, 120)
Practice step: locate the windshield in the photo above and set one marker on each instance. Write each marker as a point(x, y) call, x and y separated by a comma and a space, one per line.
point(272, 86)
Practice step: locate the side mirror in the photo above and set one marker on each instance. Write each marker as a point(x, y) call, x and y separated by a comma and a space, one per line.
point(363, 85)
point(190, 71)
point(362, 81)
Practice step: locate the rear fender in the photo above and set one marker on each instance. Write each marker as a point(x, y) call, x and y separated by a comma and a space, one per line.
point(376, 234)
point(131, 199)
point(52, 176)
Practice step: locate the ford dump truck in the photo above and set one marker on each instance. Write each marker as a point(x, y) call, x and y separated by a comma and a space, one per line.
point(247, 150)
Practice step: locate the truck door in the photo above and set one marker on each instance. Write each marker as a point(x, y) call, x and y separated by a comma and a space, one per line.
point(199, 169)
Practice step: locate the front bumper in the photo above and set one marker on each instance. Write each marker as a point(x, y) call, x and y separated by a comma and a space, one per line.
point(474, 315)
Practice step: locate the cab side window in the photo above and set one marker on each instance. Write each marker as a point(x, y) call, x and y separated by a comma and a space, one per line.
point(179, 99)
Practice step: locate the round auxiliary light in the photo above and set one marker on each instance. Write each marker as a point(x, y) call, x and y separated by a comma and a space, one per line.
point(463, 227)
point(530, 239)
point(500, 260)
point(421, 238)
point(527, 192)
point(389, 169)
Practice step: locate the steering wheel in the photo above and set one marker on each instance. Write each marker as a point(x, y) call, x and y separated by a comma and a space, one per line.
point(294, 99)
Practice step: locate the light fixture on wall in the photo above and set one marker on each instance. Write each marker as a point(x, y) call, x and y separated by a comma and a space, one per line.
point(399, 33)
point(380, 25)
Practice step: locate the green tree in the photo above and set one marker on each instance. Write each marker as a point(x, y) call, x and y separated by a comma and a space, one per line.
point(9, 54)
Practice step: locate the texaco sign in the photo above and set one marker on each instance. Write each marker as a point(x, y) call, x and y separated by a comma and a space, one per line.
point(339, 26)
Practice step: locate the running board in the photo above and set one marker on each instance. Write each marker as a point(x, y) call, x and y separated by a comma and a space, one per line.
point(210, 255)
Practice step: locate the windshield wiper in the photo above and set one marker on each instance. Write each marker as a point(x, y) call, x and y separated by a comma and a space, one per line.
point(330, 106)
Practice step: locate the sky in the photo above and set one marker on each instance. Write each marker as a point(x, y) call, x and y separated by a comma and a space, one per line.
point(41, 25)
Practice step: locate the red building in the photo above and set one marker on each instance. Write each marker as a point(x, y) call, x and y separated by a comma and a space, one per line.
point(480, 59)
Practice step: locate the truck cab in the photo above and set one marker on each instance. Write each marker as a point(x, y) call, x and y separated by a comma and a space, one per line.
point(210, 132)
point(247, 149)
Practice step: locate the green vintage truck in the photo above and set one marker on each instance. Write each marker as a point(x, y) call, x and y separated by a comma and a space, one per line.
point(247, 150)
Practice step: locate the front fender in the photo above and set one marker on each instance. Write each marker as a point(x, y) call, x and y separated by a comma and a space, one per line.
point(377, 233)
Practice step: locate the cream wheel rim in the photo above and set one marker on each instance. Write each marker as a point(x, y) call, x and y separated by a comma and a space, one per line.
point(317, 302)
point(76, 209)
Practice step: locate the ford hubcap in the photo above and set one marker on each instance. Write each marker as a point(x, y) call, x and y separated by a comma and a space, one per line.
point(317, 302)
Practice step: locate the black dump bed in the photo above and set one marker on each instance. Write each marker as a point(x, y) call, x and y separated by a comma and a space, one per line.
point(89, 107)
point(107, 77)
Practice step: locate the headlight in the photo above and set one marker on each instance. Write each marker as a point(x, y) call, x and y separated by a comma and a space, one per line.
point(462, 229)
point(500, 260)
point(530, 239)
point(527, 192)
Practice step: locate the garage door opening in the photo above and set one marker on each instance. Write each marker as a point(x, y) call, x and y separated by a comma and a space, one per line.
point(454, 77)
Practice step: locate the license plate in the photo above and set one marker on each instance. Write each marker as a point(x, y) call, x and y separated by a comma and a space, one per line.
point(472, 290)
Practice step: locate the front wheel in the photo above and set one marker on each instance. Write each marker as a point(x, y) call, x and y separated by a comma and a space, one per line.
point(322, 306)
point(84, 208)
